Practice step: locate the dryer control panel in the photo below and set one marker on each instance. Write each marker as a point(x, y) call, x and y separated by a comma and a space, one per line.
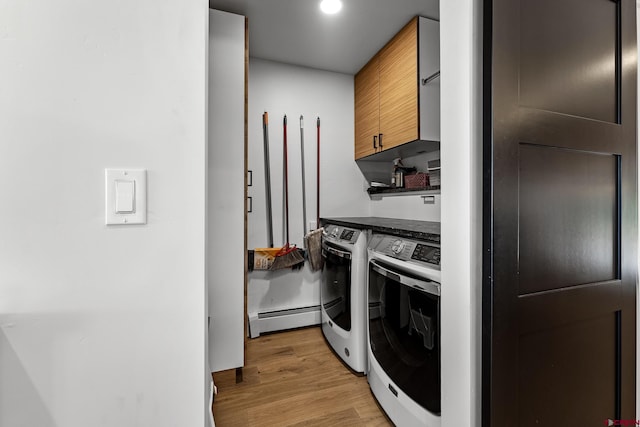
point(406, 250)
point(341, 234)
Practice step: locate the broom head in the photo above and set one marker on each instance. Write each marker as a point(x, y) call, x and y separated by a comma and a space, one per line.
point(289, 256)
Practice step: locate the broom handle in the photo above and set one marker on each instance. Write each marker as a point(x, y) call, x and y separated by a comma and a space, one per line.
point(286, 177)
point(267, 178)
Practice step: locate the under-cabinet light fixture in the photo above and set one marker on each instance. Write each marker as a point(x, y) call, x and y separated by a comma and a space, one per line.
point(330, 7)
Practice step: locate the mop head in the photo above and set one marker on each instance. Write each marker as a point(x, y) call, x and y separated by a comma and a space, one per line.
point(313, 243)
point(289, 256)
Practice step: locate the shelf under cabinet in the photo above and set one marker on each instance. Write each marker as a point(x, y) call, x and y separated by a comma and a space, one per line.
point(377, 193)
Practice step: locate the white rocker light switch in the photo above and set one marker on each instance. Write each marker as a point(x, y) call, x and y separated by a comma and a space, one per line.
point(126, 196)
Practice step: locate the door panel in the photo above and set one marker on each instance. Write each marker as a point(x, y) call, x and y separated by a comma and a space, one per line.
point(549, 309)
point(553, 352)
point(568, 61)
point(560, 212)
point(574, 194)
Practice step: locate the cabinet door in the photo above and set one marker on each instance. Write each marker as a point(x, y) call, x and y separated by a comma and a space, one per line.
point(398, 80)
point(366, 108)
point(226, 216)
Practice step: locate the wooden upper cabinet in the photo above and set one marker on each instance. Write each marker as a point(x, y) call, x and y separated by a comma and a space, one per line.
point(366, 109)
point(392, 107)
point(398, 80)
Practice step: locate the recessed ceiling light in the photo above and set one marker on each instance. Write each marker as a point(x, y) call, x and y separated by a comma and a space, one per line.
point(330, 6)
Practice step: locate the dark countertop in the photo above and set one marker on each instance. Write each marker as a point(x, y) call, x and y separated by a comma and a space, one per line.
point(413, 229)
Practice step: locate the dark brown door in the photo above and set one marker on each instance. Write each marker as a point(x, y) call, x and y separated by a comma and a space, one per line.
point(560, 209)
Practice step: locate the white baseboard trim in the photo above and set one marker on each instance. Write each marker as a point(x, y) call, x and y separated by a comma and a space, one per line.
point(280, 320)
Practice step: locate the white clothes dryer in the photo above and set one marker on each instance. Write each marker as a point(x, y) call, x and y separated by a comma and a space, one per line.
point(343, 293)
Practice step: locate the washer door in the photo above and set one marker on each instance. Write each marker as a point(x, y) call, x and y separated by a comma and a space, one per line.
point(335, 290)
point(404, 332)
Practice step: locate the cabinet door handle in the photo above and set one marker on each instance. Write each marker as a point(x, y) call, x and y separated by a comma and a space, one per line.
point(380, 140)
point(375, 139)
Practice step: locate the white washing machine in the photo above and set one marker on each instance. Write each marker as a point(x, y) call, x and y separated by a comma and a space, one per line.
point(343, 293)
point(404, 329)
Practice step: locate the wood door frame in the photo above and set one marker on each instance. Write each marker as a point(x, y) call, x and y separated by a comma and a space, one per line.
point(487, 211)
point(239, 371)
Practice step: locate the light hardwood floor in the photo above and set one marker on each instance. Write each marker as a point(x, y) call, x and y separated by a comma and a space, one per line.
point(294, 379)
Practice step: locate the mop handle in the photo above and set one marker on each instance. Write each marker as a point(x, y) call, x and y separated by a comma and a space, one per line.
point(304, 191)
point(318, 178)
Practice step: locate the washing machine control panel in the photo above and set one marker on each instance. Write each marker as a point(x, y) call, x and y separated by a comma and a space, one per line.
point(341, 234)
point(406, 250)
point(426, 253)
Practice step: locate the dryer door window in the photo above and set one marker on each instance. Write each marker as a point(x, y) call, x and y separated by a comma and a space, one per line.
point(335, 291)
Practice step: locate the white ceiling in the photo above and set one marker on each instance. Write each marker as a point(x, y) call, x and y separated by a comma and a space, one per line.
point(296, 32)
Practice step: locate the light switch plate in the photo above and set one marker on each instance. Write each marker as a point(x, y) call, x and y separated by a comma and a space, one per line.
point(125, 196)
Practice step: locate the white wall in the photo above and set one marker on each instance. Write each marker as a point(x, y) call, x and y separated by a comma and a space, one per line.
point(285, 89)
point(225, 192)
point(407, 207)
point(102, 326)
point(461, 56)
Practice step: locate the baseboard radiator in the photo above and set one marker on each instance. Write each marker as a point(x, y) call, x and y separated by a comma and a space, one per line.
point(280, 320)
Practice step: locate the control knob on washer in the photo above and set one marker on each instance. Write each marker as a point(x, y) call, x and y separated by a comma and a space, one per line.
point(397, 247)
